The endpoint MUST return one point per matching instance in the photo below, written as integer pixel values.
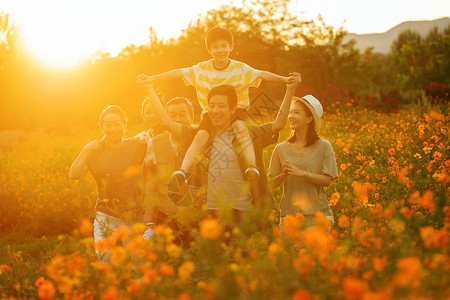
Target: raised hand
(294, 77)
(144, 79)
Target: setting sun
(63, 33)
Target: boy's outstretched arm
(283, 112)
(172, 74)
(272, 77)
(174, 128)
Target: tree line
(267, 36)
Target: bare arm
(173, 127)
(172, 74)
(283, 112)
(317, 179)
(276, 181)
(79, 166)
(272, 77)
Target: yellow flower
(139, 228)
(173, 250)
(185, 270)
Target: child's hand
(144, 79)
(294, 77)
(294, 80)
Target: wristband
(252, 169)
(150, 224)
(310, 175)
(182, 173)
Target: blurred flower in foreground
(210, 229)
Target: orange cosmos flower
(302, 294)
(427, 201)
(354, 288)
(436, 116)
(274, 249)
(46, 290)
(121, 233)
(117, 256)
(3, 268)
(379, 263)
(103, 245)
(408, 271)
(402, 174)
(101, 266)
(343, 221)
(110, 294)
(210, 229)
(437, 155)
(291, 226)
(406, 211)
(86, 227)
(166, 269)
(184, 296)
(149, 275)
(133, 287)
(335, 198)
(433, 238)
(303, 264)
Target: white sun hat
(314, 106)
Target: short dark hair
(115, 109)
(224, 90)
(311, 135)
(181, 100)
(218, 33)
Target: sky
(63, 32)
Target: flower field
(390, 239)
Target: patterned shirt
(204, 77)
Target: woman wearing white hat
(304, 164)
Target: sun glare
(55, 54)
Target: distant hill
(382, 41)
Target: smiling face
(149, 116)
(220, 50)
(300, 117)
(113, 127)
(220, 112)
(179, 113)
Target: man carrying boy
(220, 70)
(226, 173)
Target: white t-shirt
(226, 186)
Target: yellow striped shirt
(204, 77)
